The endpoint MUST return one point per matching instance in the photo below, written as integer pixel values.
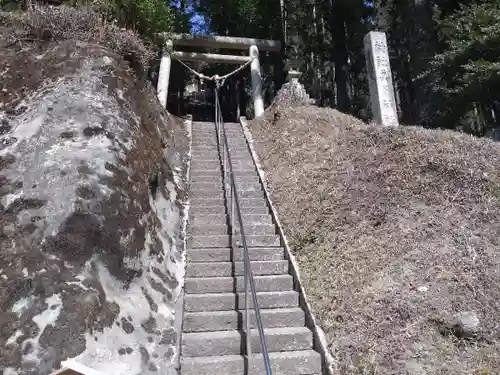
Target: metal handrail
(250, 290)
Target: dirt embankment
(396, 232)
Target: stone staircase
(213, 339)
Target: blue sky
(198, 22)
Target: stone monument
(378, 67)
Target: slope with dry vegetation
(396, 235)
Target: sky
(198, 22)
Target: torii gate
(207, 41)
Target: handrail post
(247, 315)
(233, 192)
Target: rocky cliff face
(92, 188)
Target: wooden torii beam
(210, 57)
(226, 42)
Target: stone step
(240, 184)
(217, 178)
(212, 229)
(224, 269)
(204, 172)
(198, 187)
(218, 174)
(219, 210)
(204, 124)
(204, 193)
(209, 160)
(201, 219)
(238, 146)
(303, 362)
(235, 156)
(214, 168)
(222, 210)
(231, 136)
(207, 132)
(237, 142)
(238, 172)
(207, 186)
(236, 301)
(205, 179)
(274, 283)
(195, 152)
(230, 320)
(195, 156)
(204, 155)
(233, 140)
(242, 156)
(246, 174)
(216, 165)
(204, 148)
(238, 165)
(251, 186)
(247, 178)
(225, 241)
(245, 210)
(253, 173)
(200, 344)
(208, 147)
(212, 184)
(218, 193)
(214, 202)
(226, 254)
(208, 229)
(212, 164)
(204, 142)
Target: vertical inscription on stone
(380, 79)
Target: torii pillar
(258, 102)
(164, 73)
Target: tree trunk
(320, 47)
(340, 55)
(422, 48)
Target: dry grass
(395, 231)
(84, 24)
